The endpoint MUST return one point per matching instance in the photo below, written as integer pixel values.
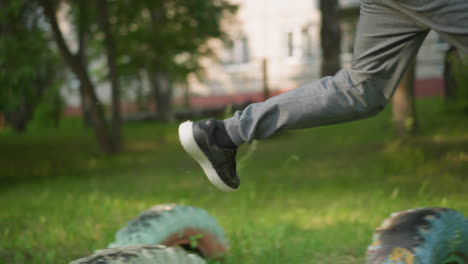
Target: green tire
(421, 236)
(175, 225)
(141, 254)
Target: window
(299, 42)
(238, 51)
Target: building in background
(287, 35)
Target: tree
(30, 68)
(456, 80)
(449, 78)
(167, 38)
(103, 12)
(133, 36)
(78, 67)
(403, 108)
(330, 37)
(82, 27)
(136, 36)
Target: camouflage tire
(421, 236)
(141, 254)
(175, 225)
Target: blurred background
(91, 93)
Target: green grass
(309, 196)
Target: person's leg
(388, 38)
(448, 18)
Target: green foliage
(49, 111)
(194, 240)
(169, 35)
(20, 51)
(29, 66)
(164, 38)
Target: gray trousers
(389, 35)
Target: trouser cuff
(232, 129)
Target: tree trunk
(2, 120)
(186, 86)
(19, 118)
(449, 78)
(84, 98)
(330, 37)
(162, 91)
(161, 81)
(116, 122)
(97, 114)
(403, 109)
(140, 100)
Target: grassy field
(309, 196)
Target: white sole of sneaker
(191, 147)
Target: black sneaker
(218, 162)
